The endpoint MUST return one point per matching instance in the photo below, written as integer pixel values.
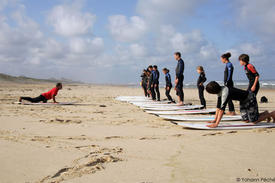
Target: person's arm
(219, 117)
(216, 116)
(230, 70)
(54, 99)
(253, 88)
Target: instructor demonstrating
(179, 78)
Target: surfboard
(154, 104)
(202, 111)
(203, 118)
(227, 126)
(60, 103)
(172, 108)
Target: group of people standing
(227, 93)
(150, 79)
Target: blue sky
(112, 41)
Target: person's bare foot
(20, 99)
(273, 116)
(231, 113)
(180, 104)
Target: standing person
(44, 97)
(251, 73)
(156, 81)
(144, 82)
(179, 78)
(200, 85)
(148, 73)
(168, 84)
(228, 81)
(151, 82)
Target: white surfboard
(130, 97)
(201, 118)
(202, 111)
(154, 104)
(50, 103)
(172, 108)
(227, 126)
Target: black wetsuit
(151, 85)
(180, 77)
(251, 74)
(200, 86)
(228, 81)
(168, 86)
(40, 98)
(156, 84)
(248, 102)
(144, 84)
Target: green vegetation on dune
(23, 79)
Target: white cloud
(137, 50)
(256, 16)
(126, 30)
(69, 20)
(157, 11)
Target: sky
(111, 41)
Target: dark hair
(58, 84)
(178, 53)
(213, 87)
(226, 55)
(244, 58)
(150, 66)
(165, 69)
(155, 66)
(200, 68)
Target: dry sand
(120, 142)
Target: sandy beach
(104, 140)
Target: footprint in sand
(212, 134)
(88, 164)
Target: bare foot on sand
(231, 113)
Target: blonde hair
(200, 68)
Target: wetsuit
(180, 77)
(228, 81)
(248, 103)
(151, 85)
(44, 97)
(144, 84)
(156, 84)
(251, 74)
(40, 98)
(200, 86)
(168, 86)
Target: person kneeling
(248, 104)
(44, 97)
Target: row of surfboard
(189, 116)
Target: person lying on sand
(44, 97)
(248, 104)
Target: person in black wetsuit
(156, 81)
(151, 83)
(144, 82)
(248, 104)
(168, 84)
(200, 85)
(179, 78)
(148, 74)
(228, 81)
(251, 73)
